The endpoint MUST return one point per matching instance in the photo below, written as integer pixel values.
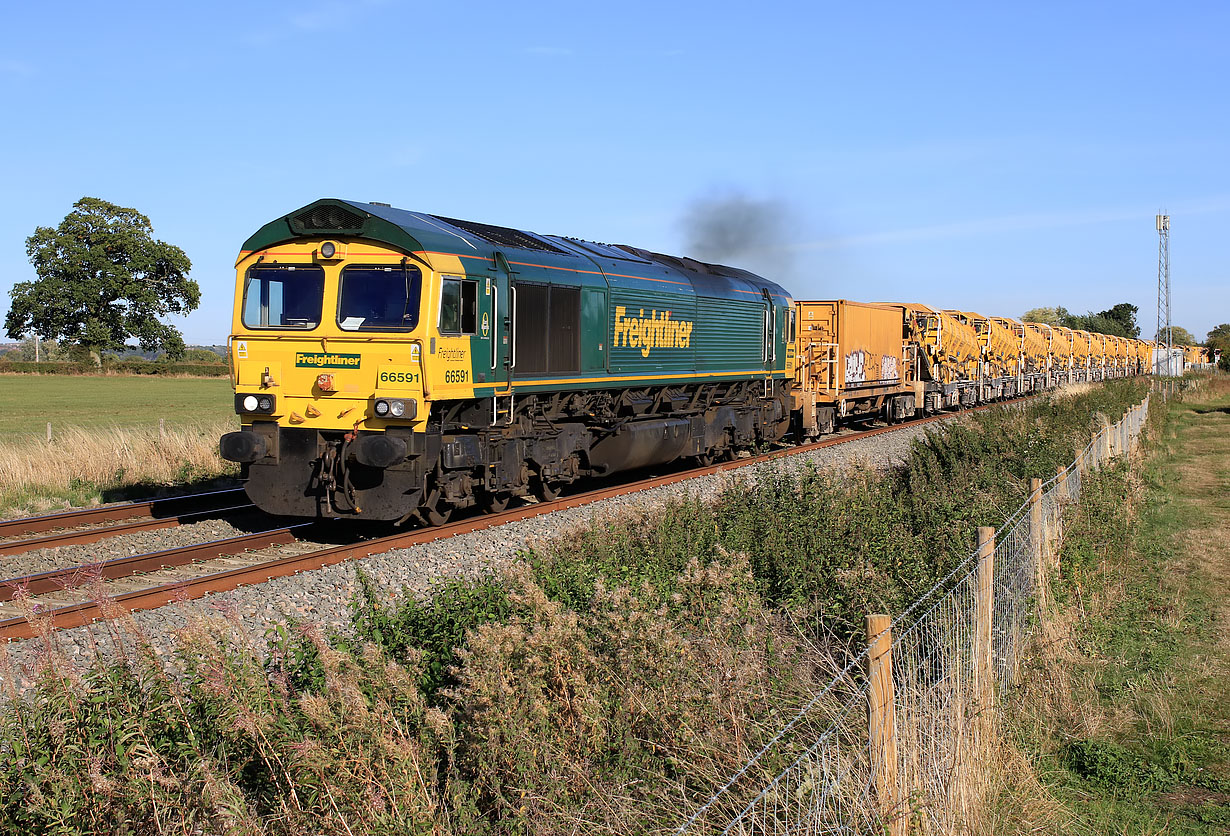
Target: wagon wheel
(435, 511)
(705, 460)
(496, 502)
(547, 491)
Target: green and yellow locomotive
(390, 364)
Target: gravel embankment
(322, 596)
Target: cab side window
(458, 306)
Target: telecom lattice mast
(1165, 333)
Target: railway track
(80, 595)
(90, 525)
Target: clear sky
(989, 156)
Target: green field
(28, 402)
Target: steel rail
(78, 615)
(165, 507)
(56, 580)
(93, 535)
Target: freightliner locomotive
(391, 365)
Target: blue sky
(993, 157)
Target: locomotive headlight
(254, 404)
(328, 249)
(395, 408)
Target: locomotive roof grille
(502, 236)
(605, 250)
(327, 218)
(688, 263)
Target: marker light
(249, 403)
(265, 403)
(398, 408)
(382, 408)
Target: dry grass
(83, 465)
(1072, 390)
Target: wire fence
(895, 740)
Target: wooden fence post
(1037, 536)
(983, 611)
(882, 722)
(48, 431)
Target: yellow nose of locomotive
(328, 378)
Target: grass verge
(1126, 713)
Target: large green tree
(1219, 337)
(103, 279)
(1124, 314)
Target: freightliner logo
(649, 332)
(327, 361)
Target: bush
(109, 366)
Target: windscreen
(283, 296)
(379, 298)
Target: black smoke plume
(740, 231)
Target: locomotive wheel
(705, 460)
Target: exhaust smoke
(741, 231)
